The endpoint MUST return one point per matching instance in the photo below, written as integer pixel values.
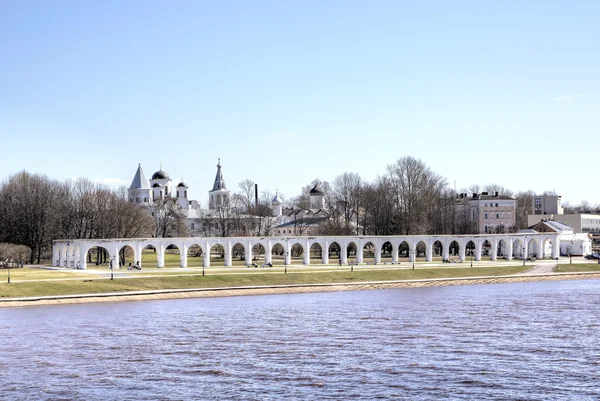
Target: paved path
(542, 267)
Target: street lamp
(8, 270)
(413, 257)
(524, 256)
(571, 253)
(285, 256)
(471, 257)
(111, 267)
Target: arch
(316, 253)
(238, 254)
(387, 250)
(518, 248)
(351, 250)
(149, 256)
(454, 248)
(368, 252)
(172, 256)
(216, 255)
(195, 255)
(258, 253)
(98, 257)
(335, 253)
(502, 249)
(437, 249)
(421, 249)
(297, 253)
(533, 248)
(486, 249)
(470, 248)
(127, 256)
(404, 250)
(547, 248)
(277, 254)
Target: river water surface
(527, 341)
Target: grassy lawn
(27, 273)
(578, 267)
(251, 278)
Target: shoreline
(288, 289)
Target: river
(524, 341)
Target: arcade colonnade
(73, 253)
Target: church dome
(157, 185)
(161, 175)
(181, 184)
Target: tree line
(408, 199)
(35, 209)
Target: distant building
(571, 243)
(484, 213)
(546, 204)
(548, 208)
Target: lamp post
(413, 258)
(571, 253)
(111, 267)
(8, 270)
(471, 257)
(285, 256)
(524, 256)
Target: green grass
(266, 278)
(578, 267)
(27, 273)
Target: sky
(283, 92)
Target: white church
(283, 221)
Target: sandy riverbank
(286, 289)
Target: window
(486, 229)
(485, 216)
(496, 205)
(497, 215)
(137, 200)
(145, 199)
(192, 226)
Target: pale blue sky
(284, 92)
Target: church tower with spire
(139, 191)
(219, 195)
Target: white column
(429, 251)
(160, 257)
(461, 251)
(478, 251)
(248, 253)
(509, 250)
(377, 253)
(306, 253)
(83, 259)
(394, 253)
(325, 252)
(268, 253)
(494, 250)
(359, 252)
(183, 254)
(227, 247)
(206, 261)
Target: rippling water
(529, 341)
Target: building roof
(316, 190)
(219, 181)
(139, 180)
(304, 222)
(276, 200)
(551, 226)
(465, 198)
(182, 184)
(161, 175)
(156, 185)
